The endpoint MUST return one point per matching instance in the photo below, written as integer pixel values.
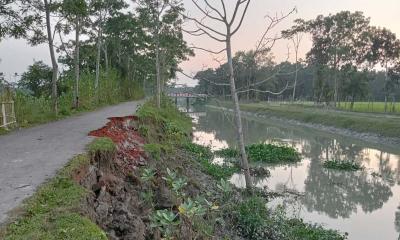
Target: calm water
(366, 204)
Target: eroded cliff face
(120, 202)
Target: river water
(365, 204)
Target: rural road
(29, 157)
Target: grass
(261, 152)
(359, 122)
(342, 165)
(371, 107)
(52, 213)
(101, 144)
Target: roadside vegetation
(342, 165)
(55, 212)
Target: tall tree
(75, 12)
(385, 51)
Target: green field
(371, 107)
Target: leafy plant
(225, 187)
(166, 221)
(148, 175)
(228, 153)
(175, 183)
(192, 208)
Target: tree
(37, 79)
(163, 20)
(231, 25)
(355, 83)
(75, 12)
(385, 51)
(338, 40)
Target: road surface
(29, 157)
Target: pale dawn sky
(16, 55)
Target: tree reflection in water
(334, 193)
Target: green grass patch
(102, 144)
(254, 221)
(53, 211)
(204, 156)
(342, 165)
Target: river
(365, 204)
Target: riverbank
(374, 128)
(143, 179)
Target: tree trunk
(158, 71)
(53, 58)
(295, 80)
(238, 119)
(106, 58)
(98, 57)
(77, 70)
(385, 87)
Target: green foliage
(255, 221)
(51, 214)
(204, 156)
(175, 125)
(148, 175)
(272, 154)
(102, 144)
(175, 183)
(31, 110)
(192, 209)
(37, 79)
(166, 221)
(154, 149)
(228, 153)
(342, 165)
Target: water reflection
(349, 201)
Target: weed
(342, 165)
(166, 221)
(228, 153)
(272, 154)
(148, 175)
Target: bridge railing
(7, 115)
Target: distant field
(374, 107)
(367, 107)
(382, 124)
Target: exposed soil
(116, 202)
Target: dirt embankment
(117, 201)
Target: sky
(17, 55)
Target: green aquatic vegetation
(270, 153)
(342, 165)
(228, 153)
(200, 151)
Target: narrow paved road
(29, 157)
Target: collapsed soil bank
(116, 202)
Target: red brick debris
(123, 132)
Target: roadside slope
(31, 156)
